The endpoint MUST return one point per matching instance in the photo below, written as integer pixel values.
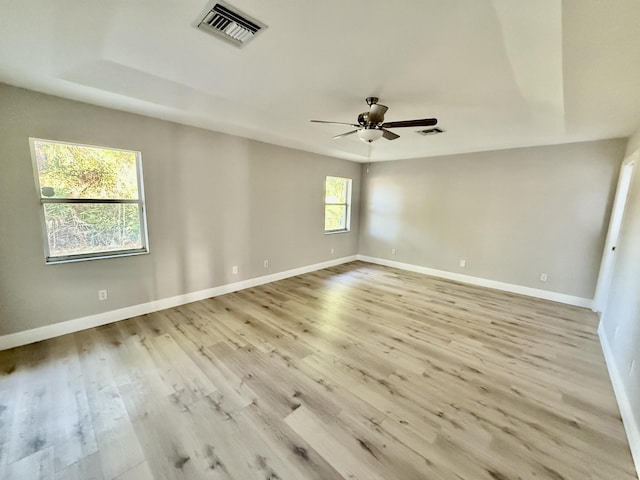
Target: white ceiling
(496, 73)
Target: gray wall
(623, 306)
(213, 201)
(512, 214)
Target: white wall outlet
(393, 251)
(102, 295)
(463, 262)
(234, 269)
(543, 277)
(632, 368)
(332, 251)
(266, 264)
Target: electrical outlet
(234, 269)
(393, 251)
(332, 251)
(543, 277)
(632, 367)
(463, 262)
(266, 264)
(102, 295)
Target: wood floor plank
(290, 446)
(116, 439)
(341, 450)
(353, 372)
(37, 466)
(139, 472)
(87, 468)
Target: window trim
(346, 204)
(80, 257)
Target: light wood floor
(354, 372)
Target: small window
(92, 201)
(337, 204)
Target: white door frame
(615, 223)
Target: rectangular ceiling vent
(431, 131)
(228, 23)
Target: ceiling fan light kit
(371, 125)
(369, 134)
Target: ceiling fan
(371, 125)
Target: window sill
(332, 232)
(128, 253)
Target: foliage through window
(337, 204)
(92, 200)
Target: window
(337, 204)
(92, 201)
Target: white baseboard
(483, 282)
(629, 420)
(70, 326)
(77, 324)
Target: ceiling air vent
(431, 131)
(230, 24)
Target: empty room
(327, 240)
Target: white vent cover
(230, 24)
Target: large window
(337, 204)
(92, 200)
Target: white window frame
(347, 204)
(92, 255)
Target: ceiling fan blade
(376, 113)
(425, 122)
(345, 134)
(389, 135)
(335, 123)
